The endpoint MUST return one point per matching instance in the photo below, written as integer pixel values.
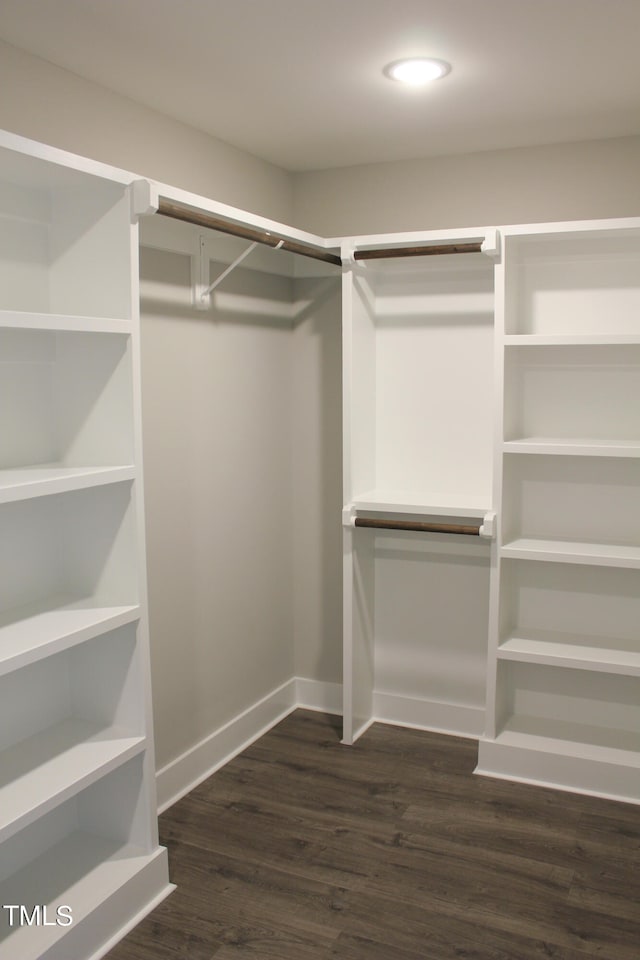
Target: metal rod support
(201, 219)
(470, 530)
(225, 273)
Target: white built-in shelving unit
(77, 794)
(417, 409)
(564, 690)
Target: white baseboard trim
(133, 922)
(452, 718)
(559, 770)
(181, 775)
(319, 695)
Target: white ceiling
(299, 82)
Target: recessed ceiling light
(416, 71)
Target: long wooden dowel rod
(425, 251)
(418, 526)
(201, 219)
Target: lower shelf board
(44, 770)
(561, 737)
(600, 654)
(567, 551)
(31, 633)
(81, 872)
(539, 751)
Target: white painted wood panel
(76, 760)
(579, 283)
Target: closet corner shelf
(577, 651)
(566, 551)
(84, 871)
(575, 447)
(44, 770)
(438, 505)
(47, 479)
(24, 320)
(41, 630)
(571, 340)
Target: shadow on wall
(317, 494)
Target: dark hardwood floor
(304, 849)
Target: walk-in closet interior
(486, 497)
(352, 435)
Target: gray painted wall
(574, 181)
(217, 399)
(49, 104)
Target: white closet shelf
(46, 769)
(571, 340)
(436, 505)
(566, 551)
(563, 737)
(83, 871)
(25, 320)
(576, 447)
(557, 649)
(32, 633)
(43, 480)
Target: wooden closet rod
(177, 212)
(419, 527)
(424, 251)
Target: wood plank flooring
(304, 849)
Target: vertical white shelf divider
(78, 826)
(501, 294)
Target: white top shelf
(35, 632)
(565, 551)
(571, 340)
(41, 772)
(25, 320)
(436, 505)
(47, 479)
(573, 446)
(599, 654)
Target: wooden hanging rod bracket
(144, 197)
(176, 211)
